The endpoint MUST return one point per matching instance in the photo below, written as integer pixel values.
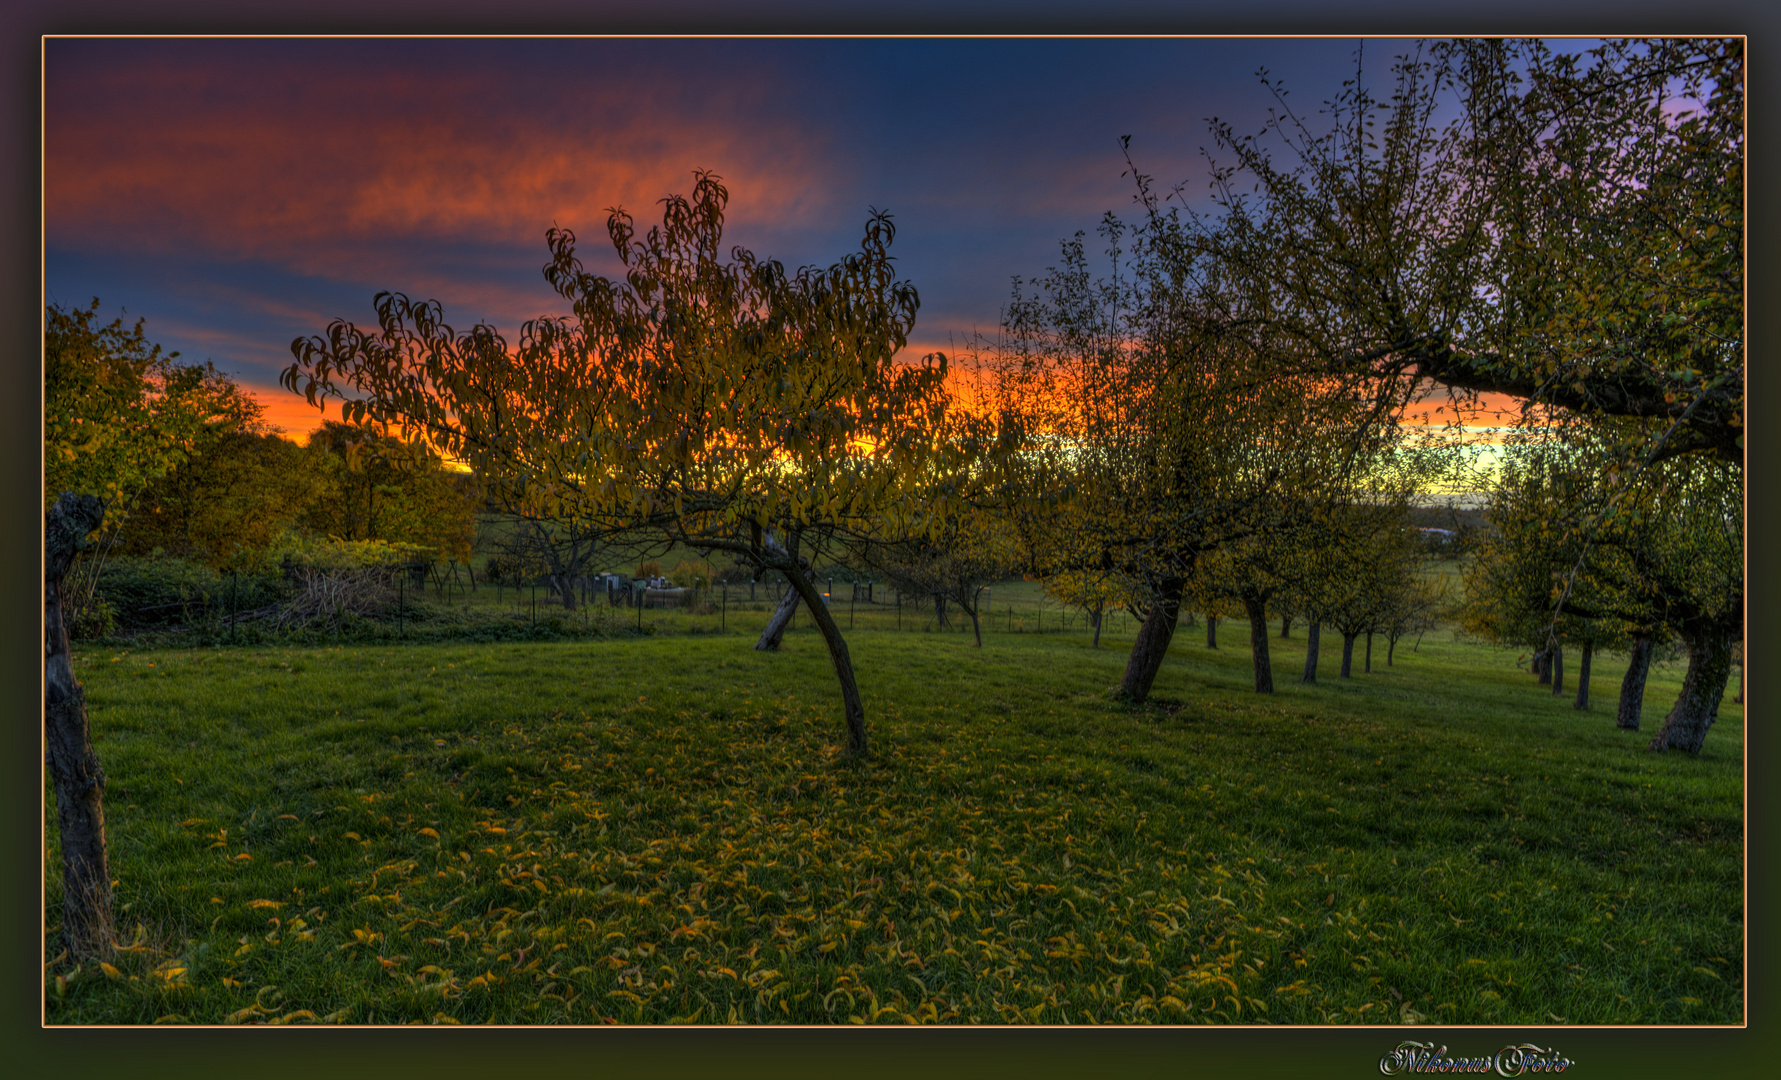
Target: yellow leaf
(110, 972)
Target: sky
(239, 193)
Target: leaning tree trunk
(1632, 687)
(1152, 643)
(1583, 676)
(1709, 669)
(1312, 631)
(1348, 654)
(74, 768)
(774, 633)
(853, 710)
(1258, 644)
(971, 610)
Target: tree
(721, 405)
(239, 495)
(1366, 572)
(1157, 428)
(1666, 562)
(559, 552)
(1094, 593)
(377, 486)
(970, 552)
(1573, 237)
(119, 414)
(75, 772)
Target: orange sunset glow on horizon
(238, 193)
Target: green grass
(660, 829)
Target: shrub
(150, 592)
(144, 592)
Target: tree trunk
(1211, 631)
(854, 712)
(1152, 643)
(1558, 670)
(1258, 644)
(77, 778)
(1632, 687)
(940, 621)
(1709, 669)
(971, 610)
(1583, 676)
(1348, 654)
(1369, 661)
(1312, 632)
(1391, 647)
(774, 634)
(1095, 614)
(1285, 626)
(1543, 667)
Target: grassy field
(658, 828)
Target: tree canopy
(1566, 229)
(724, 404)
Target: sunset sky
(238, 193)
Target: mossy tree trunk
(1256, 608)
(1632, 686)
(1152, 643)
(1312, 631)
(1703, 686)
(1583, 676)
(75, 773)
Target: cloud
(309, 156)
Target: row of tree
(1228, 393)
(1218, 413)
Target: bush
(151, 591)
(157, 591)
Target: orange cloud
(232, 158)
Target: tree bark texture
(1286, 626)
(1348, 655)
(1543, 667)
(854, 711)
(1212, 631)
(75, 773)
(1558, 670)
(1152, 643)
(1312, 631)
(1709, 669)
(1369, 660)
(1632, 687)
(1258, 644)
(774, 633)
(1583, 676)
